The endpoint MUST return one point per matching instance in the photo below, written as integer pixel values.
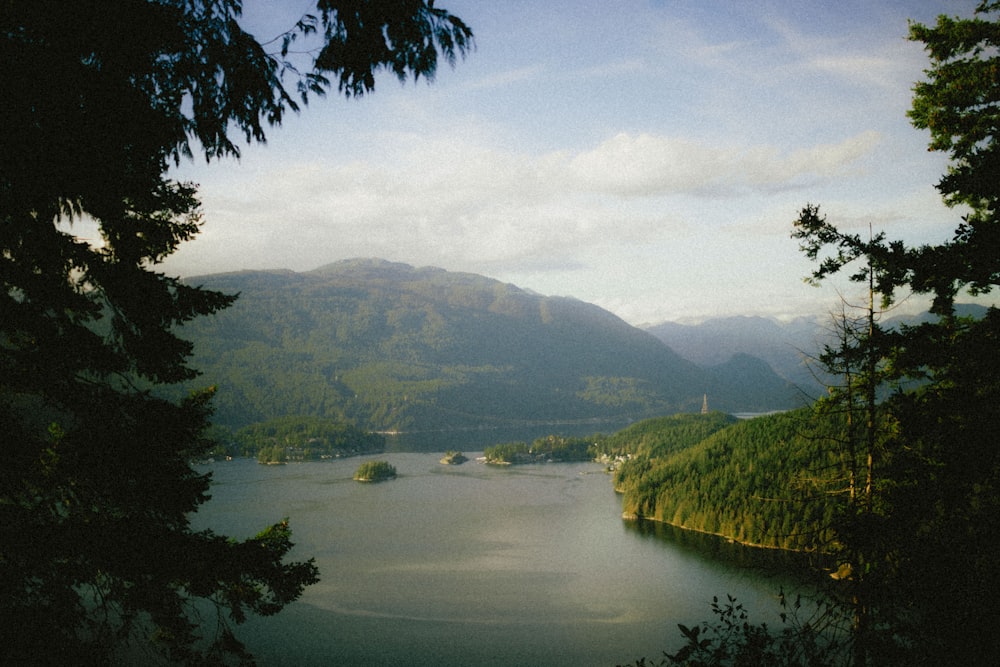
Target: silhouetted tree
(922, 532)
(101, 97)
(931, 574)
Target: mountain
(785, 347)
(789, 348)
(742, 480)
(393, 347)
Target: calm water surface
(472, 565)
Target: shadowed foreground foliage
(96, 487)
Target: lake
(476, 565)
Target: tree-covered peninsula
(546, 449)
(761, 481)
(302, 438)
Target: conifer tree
(930, 571)
(101, 97)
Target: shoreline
(632, 516)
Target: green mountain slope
(762, 481)
(392, 347)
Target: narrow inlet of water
(475, 565)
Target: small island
(452, 458)
(375, 471)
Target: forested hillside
(302, 439)
(392, 347)
(760, 481)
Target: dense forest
(297, 438)
(389, 347)
(653, 438)
(759, 481)
(552, 448)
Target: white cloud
(647, 165)
(459, 204)
(633, 160)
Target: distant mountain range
(790, 348)
(393, 347)
(785, 347)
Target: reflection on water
(475, 565)
(762, 562)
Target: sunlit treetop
(959, 103)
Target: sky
(647, 156)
